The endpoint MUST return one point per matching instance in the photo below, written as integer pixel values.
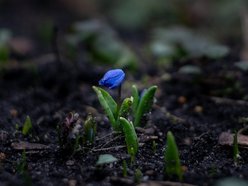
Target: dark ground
(186, 105)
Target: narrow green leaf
(171, 157)
(89, 130)
(135, 95)
(235, 148)
(130, 137)
(145, 104)
(27, 126)
(110, 101)
(106, 158)
(107, 108)
(124, 110)
(125, 107)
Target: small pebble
(72, 182)
(198, 109)
(13, 113)
(2, 156)
(149, 172)
(70, 162)
(182, 100)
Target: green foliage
(27, 126)
(154, 146)
(190, 69)
(21, 168)
(236, 155)
(143, 103)
(130, 137)
(138, 176)
(95, 35)
(22, 164)
(110, 107)
(178, 42)
(171, 157)
(117, 114)
(5, 36)
(231, 181)
(124, 168)
(89, 130)
(105, 159)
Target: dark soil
(197, 109)
(54, 89)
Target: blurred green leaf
(177, 42)
(89, 129)
(27, 126)
(5, 36)
(105, 159)
(231, 181)
(103, 44)
(242, 65)
(190, 69)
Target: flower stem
(119, 96)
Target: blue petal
(112, 78)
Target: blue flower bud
(112, 78)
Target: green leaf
(89, 129)
(106, 158)
(27, 126)
(110, 101)
(190, 69)
(171, 157)
(242, 65)
(145, 104)
(108, 105)
(231, 181)
(236, 155)
(135, 95)
(130, 137)
(125, 107)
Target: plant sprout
(130, 137)
(118, 114)
(236, 155)
(27, 126)
(142, 104)
(171, 157)
(70, 132)
(89, 129)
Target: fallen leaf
(22, 145)
(163, 183)
(226, 138)
(106, 158)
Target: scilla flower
(112, 78)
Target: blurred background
(166, 29)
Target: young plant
(114, 110)
(236, 155)
(118, 112)
(124, 168)
(130, 137)
(27, 126)
(70, 131)
(22, 164)
(138, 176)
(142, 104)
(171, 157)
(89, 129)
